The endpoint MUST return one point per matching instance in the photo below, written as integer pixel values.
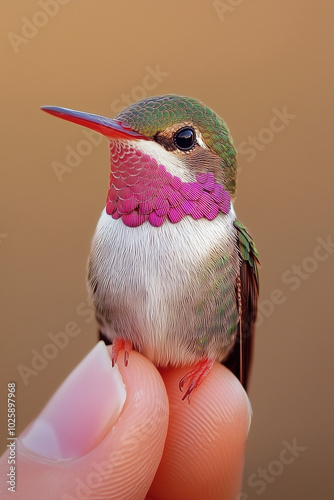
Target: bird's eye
(185, 138)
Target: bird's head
(171, 157)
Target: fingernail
(81, 411)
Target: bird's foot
(119, 345)
(195, 377)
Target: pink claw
(195, 377)
(119, 345)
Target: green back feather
(247, 248)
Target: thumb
(100, 436)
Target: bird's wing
(247, 291)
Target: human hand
(124, 433)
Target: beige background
(248, 62)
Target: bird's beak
(106, 126)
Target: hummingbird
(172, 273)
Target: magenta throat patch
(141, 190)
